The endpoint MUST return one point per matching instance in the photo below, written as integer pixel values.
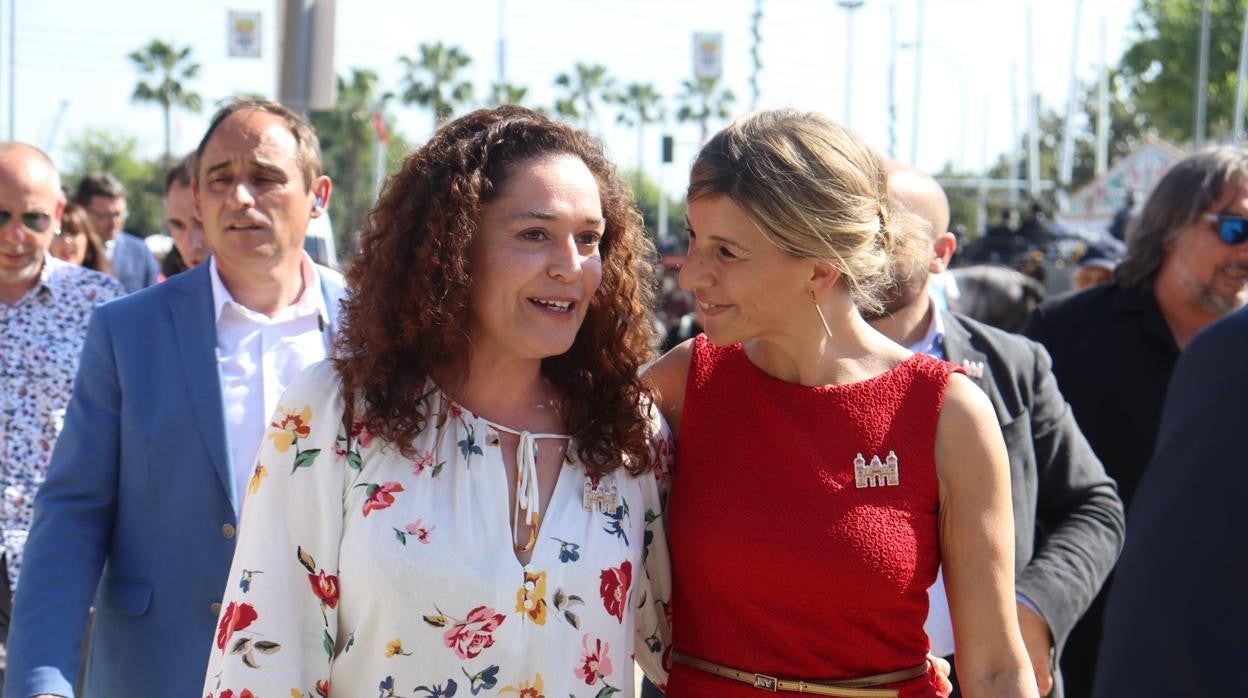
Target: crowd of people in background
(497, 334)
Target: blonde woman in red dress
(823, 473)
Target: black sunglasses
(1232, 229)
(34, 222)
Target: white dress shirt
(258, 357)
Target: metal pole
(918, 83)
(662, 193)
(1033, 117)
(850, 6)
(12, 70)
(849, 59)
(756, 64)
(1237, 126)
(892, 82)
(1102, 109)
(981, 201)
(1072, 94)
(502, 55)
(1011, 153)
(1202, 76)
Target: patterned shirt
(40, 341)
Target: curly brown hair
(409, 309)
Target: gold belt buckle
(765, 682)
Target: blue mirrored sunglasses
(34, 222)
(1232, 229)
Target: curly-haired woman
(466, 499)
(824, 472)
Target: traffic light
(667, 149)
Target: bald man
(1068, 520)
(44, 307)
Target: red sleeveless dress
(782, 565)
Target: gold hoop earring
(819, 310)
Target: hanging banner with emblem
(244, 34)
(708, 52)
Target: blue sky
(74, 52)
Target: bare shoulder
(967, 432)
(667, 377)
(964, 399)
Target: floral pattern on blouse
(41, 339)
(360, 571)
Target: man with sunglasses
(44, 307)
(1115, 346)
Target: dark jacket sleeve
(1179, 603)
(1079, 517)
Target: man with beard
(1114, 346)
(1068, 521)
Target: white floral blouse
(360, 572)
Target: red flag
(379, 127)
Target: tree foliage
(703, 100)
(170, 67)
(116, 154)
(584, 89)
(432, 80)
(347, 136)
(646, 196)
(1159, 69)
(507, 93)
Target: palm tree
(432, 81)
(507, 93)
(702, 100)
(346, 136)
(171, 67)
(586, 85)
(640, 104)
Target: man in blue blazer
(142, 500)
(104, 199)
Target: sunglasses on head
(34, 222)
(1232, 229)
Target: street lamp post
(850, 6)
(962, 91)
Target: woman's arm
(666, 377)
(977, 544)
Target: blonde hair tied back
(815, 190)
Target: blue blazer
(137, 513)
(133, 264)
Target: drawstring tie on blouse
(528, 496)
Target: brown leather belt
(848, 688)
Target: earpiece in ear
(319, 202)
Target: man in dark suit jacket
(1114, 346)
(1068, 521)
(1178, 605)
(104, 198)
